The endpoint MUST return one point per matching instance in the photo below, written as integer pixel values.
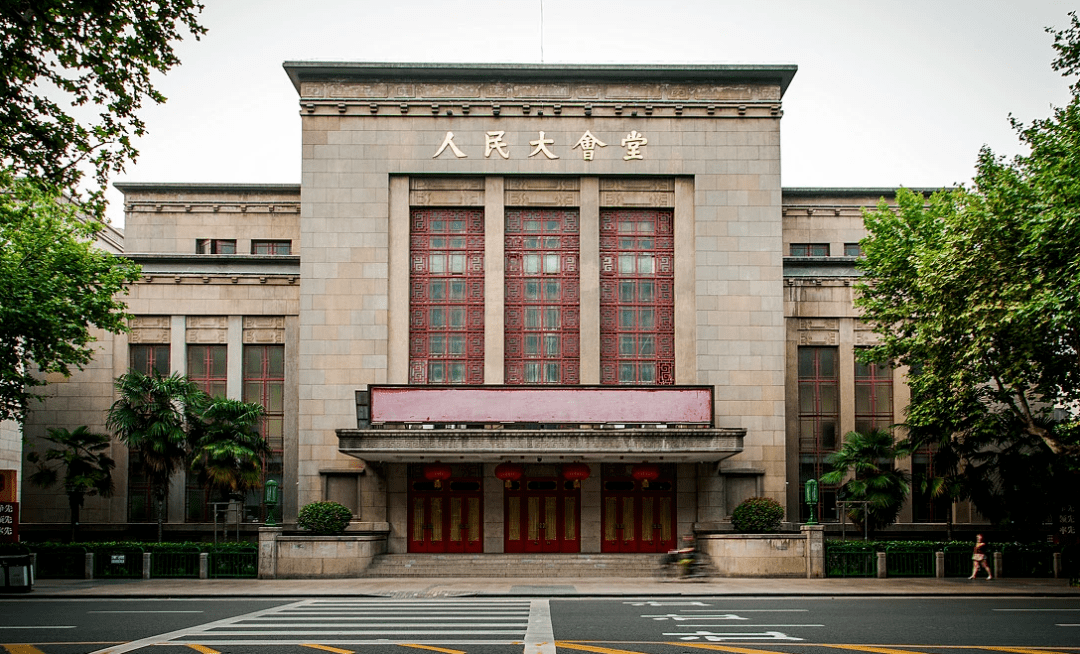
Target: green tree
(75, 74)
(870, 461)
(977, 288)
(152, 416)
(55, 285)
(227, 450)
(86, 463)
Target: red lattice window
(542, 342)
(819, 415)
(149, 358)
(264, 383)
(637, 296)
(207, 367)
(873, 397)
(446, 303)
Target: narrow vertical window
(142, 506)
(637, 297)
(207, 369)
(446, 300)
(542, 292)
(818, 420)
(264, 383)
(873, 397)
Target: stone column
(268, 552)
(815, 550)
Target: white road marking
(540, 637)
(42, 626)
(144, 611)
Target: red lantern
(576, 472)
(509, 472)
(646, 472)
(436, 472)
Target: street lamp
(270, 496)
(811, 499)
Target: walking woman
(978, 557)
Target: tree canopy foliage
(55, 285)
(869, 458)
(977, 290)
(74, 75)
(86, 463)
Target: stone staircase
(514, 565)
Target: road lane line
(432, 648)
(540, 636)
(593, 648)
(203, 649)
(161, 638)
(327, 648)
(1022, 650)
(22, 649)
(726, 648)
(144, 611)
(876, 650)
(41, 626)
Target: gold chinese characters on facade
(494, 142)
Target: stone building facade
(518, 227)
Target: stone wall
(324, 557)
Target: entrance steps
(514, 565)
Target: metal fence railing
(839, 563)
(68, 563)
(175, 563)
(235, 563)
(118, 563)
(903, 562)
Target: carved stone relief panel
(344, 91)
(637, 192)
(149, 329)
(264, 329)
(207, 330)
(819, 338)
(542, 192)
(446, 191)
(560, 91)
(634, 92)
(819, 324)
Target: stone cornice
(685, 445)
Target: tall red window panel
(446, 296)
(637, 296)
(542, 333)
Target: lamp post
(811, 499)
(270, 496)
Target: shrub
(324, 518)
(758, 515)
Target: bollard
(997, 564)
(204, 565)
(88, 572)
(1057, 565)
(939, 565)
(146, 565)
(882, 570)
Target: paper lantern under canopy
(436, 472)
(509, 472)
(645, 472)
(576, 472)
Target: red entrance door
(444, 522)
(638, 520)
(542, 516)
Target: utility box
(18, 573)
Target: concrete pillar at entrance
(372, 488)
(590, 511)
(268, 552)
(494, 536)
(815, 550)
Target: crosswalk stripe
(432, 648)
(327, 648)
(594, 648)
(725, 648)
(22, 649)
(202, 649)
(876, 650)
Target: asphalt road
(886, 625)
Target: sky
(888, 92)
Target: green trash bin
(18, 573)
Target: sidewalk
(540, 587)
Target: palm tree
(152, 416)
(87, 467)
(227, 451)
(870, 457)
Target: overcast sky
(888, 93)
